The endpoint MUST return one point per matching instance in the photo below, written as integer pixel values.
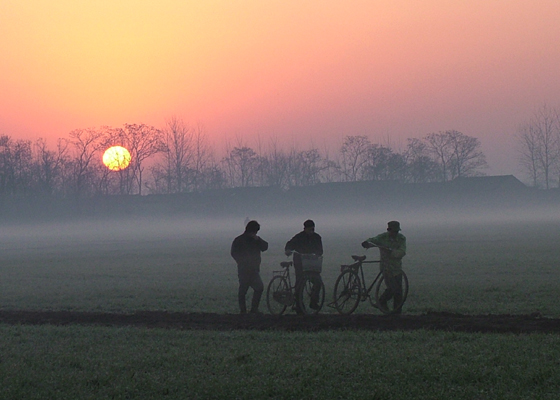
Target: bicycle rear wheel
(278, 295)
(347, 292)
(385, 298)
(311, 294)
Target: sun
(116, 158)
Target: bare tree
(85, 145)
(142, 141)
(528, 150)
(177, 156)
(384, 164)
(354, 157)
(420, 167)
(439, 147)
(545, 122)
(273, 166)
(213, 177)
(240, 166)
(305, 167)
(49, 166)
(456, 154)
(331, 170)
(15, 166)
(467, 158)
(538, 142)
(187, 162)
(203, 160)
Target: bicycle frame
(285, 273)
(358, 268)
(306, 294)
(351, 288)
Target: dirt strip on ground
(534, 323)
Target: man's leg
(315, 291)
(397, 300)
(389, 292)
(243, 287)
(299, 279)
(258, 287)
(384, 298)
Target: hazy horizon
(114, 228)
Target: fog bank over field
(336, 207)
(207, 228)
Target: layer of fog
(220, 230)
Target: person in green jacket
(392, 247)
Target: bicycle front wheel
(391, 293)
(278, 295)
(311, 294)
(347, 292)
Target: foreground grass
(39, 362)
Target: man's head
(252, 227)
(393, 227)
(309, 226)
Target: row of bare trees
(74, 167)
(538, 143)
(179, 159)
(438, 156)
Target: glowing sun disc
(116, 158)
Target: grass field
(108, 363)
(115, 266)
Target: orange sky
(299, 71)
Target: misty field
(124, 266)
(466, 267)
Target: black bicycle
(350, 288)
(308, 296)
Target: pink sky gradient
(301, 72)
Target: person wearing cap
(392, 248)
(246, 250)
(304, 242)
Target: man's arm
(296, 243)
(236, 250)
(372, 242)
(291, 244)
(400, 250)
(319, 251)
(263, 244)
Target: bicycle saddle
(358, 258)
(286, 264)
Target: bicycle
(309, 296)
(350, 288)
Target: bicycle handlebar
(301, 254)
(376, 245)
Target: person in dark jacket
(246, 251)
(305, 242)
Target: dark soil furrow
(208, 321)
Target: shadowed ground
(534, 323)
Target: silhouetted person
(392, 248)
(246, 251)
(305, 242)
